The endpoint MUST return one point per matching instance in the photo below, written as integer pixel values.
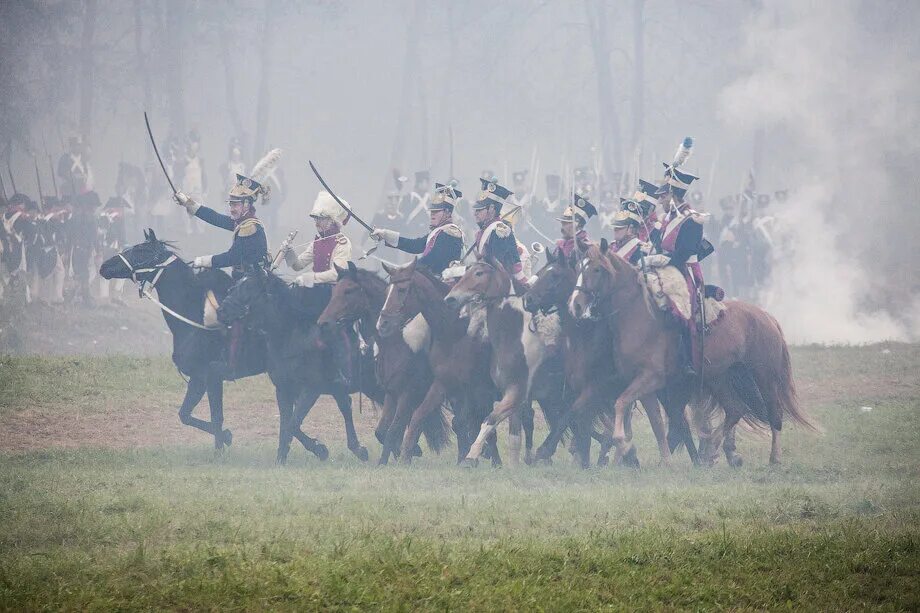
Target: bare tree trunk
(176, 15)
(611, 139)
(264, 100)
(410, 67)
(142, 64)
(229, 91)
(86, 69)
(638, 93)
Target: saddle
(670, 292)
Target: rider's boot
(227, 370)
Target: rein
(143, 290)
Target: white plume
(684, 150)
(264, 166)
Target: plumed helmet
(325, 207)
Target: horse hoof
(603, 461)
(416, 452)
(361, 453)
(528, 460)
(322, 452)
(735, 461)
(470, 463)
(280, 460)
(630, 459)
(228, 438)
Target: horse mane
(435, 280)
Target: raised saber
(344, 206)
(157, 151)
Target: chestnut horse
(586, 346)
(645, 351)
(459, 362)
(402, 370)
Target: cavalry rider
(444, 242)
(647, 200)
(680, 244)
(627, 225)
(572, 225)
(495, 237)
(249, 246)
(330, 248)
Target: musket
(38, 179)
(57, 194)
(344, 206)
(450, 138)
(9, 169)
(2, 188)
(284, 245)
(157, 152)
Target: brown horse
(458, 361)
(402, 370)
(586, 348)
(521, 344)
(646, 351)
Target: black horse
(299, 359)
(154, 264)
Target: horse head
(554, 284)
(352, 296)
(603, 277)
(402, 302)
(140, 262)
(485, 281)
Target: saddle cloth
(669, 290)
(210, 312)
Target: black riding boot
(227, 369)
(344, 346)
(686, 353)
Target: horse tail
(784, 392)
(436, 429)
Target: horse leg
(642, 385)
(394, 434)
(343, 400)
(606, 439)
(194, 391)
(505, 407)
(776, 450)
(655, 419)
(460, 426)
(728, 447)
(302, 406)
(514, 438)
(527, 417)
(735, 408)
(285, 417)
(679, 432)
(432, 402)
(491, 447)
(386, 417)
(216, 404)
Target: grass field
(106, 502)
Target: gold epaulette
(248, 227)
(453, 229)
(341, 239)
(502, 230)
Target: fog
(820, 98)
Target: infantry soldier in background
(417, 206)
(74, 171)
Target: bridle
(396, 314)
(145, 285)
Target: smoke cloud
(834, 86)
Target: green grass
(836, 527)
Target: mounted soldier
(248, 248)
(681, 245)
(444, 242)
(330, 248)
(572, 226)
(645, 197)
(495, 237)
(627, 225)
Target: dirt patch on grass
(32, 430)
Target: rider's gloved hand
(202, 261)
(183, 200)
(656, 261)
(389, 237)
(305, 280)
